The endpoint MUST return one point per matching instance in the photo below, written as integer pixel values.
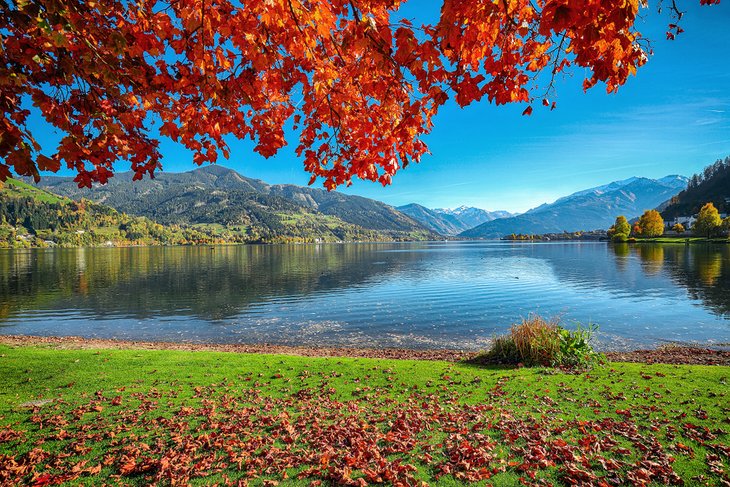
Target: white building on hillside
(688, 221)
(685, 221)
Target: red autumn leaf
(42, 480)
(362, 86)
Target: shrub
(502, 352)
(537, 340)
(576, 349)
(540, 342)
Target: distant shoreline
(662, 240)
(666, 354)
(215, 244)
(659, 240)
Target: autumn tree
(678, 228)
(620, 230)
(708, 221)
(359, 84)
(726, 225)
(651, 224)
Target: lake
(415, 295)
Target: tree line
(719, 169)
(710, 185)
(651, 225)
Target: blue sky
(672, 118)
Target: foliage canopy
(651, 224)
(708, 221)
(360, 84)
(620, 230)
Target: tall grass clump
(538, 341)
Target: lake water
(416, 295)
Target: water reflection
(432, 294)
(208, 282)
(705, 271)
(652, 257)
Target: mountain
(437, 222)
(215, 195)
(712, 185)
(590, 209)
(32, 217)
(472, 217)
(451, 222)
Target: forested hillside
(32, 217)
(218, 195)
(712, 185)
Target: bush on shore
(541, 342)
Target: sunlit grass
(135, 390)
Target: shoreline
(659, 240)
(671, 354)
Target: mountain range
(215, 195)
(590, 209)
(221, 196)
(451, 221)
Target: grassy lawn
(682, 240)
(140, 417)
(107, 231)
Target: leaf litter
(237, 433)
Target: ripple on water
(424, 295)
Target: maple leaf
(362, 87)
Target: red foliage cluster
(360, 85)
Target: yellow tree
(678, 228)
(620, 229)
(708, 221)
(651, 224)
(726, 225)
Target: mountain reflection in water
(421, 295)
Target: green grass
(207, 417)
(26, 190)
(107, 231)
(683, 240)
(209, 226)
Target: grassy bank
(139, 416)
(684, 240)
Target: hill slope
(713, 185)
(215, 195)
(32, 217)
(591, 209)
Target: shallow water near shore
(411, 295)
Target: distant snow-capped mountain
(589, 209)
(447, 221)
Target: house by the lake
(687, 221)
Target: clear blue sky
(672, 118)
